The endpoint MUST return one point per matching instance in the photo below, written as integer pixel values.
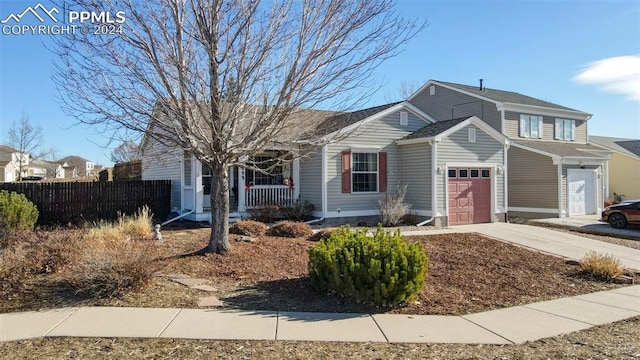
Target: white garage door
(581, 192)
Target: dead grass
(138, 226)
(467, 273)
(604, 266)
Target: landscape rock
(190, 282)
(210, 301)
(206, 288)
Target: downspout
(434, 186)
(323, 175)
(177, 217)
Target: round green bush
(17, 213)
(383, 269)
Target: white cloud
(619, 74)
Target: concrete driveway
(590, 224)
(553, 242)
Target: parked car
(620, 215)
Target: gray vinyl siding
(512, 127)
(311, 179)
(533, 180)
(447, 104)
(415, 169)
(456, 148)
(160, 162)
(599, 186)
(380, 133)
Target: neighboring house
(387, 146)
(46, 169)
(83, 167)
(552, 170)
(10, 161)
(624, 166)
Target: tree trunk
(219, 240)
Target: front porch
(247, 189)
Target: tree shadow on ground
(294, 294)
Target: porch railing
(263, 195)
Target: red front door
(469, 196)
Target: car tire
(617, 221)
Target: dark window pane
(463, 173)
(452, 173)
(364, 182)
(485, 173)
(475, 173)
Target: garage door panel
(469, 200)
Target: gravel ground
(613, 341)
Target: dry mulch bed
(467, 273)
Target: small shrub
(383, 269)
(265, 213)
(393, 208)
(111, 269)
(300, 211)
(248, 228)
(17, 213)
(601, 266)
(139, 226)
(321, 235)
(290, 229)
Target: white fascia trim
(415, 141)
(581, 161)
(433, 82)
(403, 105)
(541, 110)
(534, 210)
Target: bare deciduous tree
(26, 139)
(127, 151)
(405, 90)
(223, 79)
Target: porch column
(241, 190)
(295, 167)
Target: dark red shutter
(382, 170)
(346, 171)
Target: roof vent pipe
(481, 88)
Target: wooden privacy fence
(91, 201)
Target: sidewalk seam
(561, 316)
(613, 306)
(379, 328)
(275, 337)
(489, 330)
(169, 323)
(61, 321)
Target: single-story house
(454, 171)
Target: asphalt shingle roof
(342, 120)
(434, 129)
(629, 147)
(506, 96)
(564, 149)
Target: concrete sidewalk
(505, 326)
(547, 240)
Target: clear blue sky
(536, 48)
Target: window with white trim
(472, 134)
(565, 129)
(531, 126)
(364, 172)
(404, 118)
(273, 170)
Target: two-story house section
(552, 170)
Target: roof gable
(629, 147)
(499, 97)
(440, 129)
